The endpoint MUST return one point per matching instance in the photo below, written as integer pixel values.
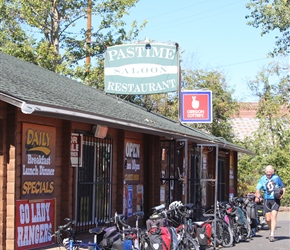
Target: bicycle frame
(78, 243)
(70, 243)
(128, 229)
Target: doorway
(93, 183)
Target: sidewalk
(260, 241)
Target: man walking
(268, 183)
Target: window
(93, 200)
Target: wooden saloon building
(69, 150)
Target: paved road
(261, 241)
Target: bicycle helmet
(175, 204)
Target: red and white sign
(196, 106)
(76, 150)
(33, 220)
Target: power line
(238, 63)
(191, 15)
(176, 10)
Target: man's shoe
(271, 238)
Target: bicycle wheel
(248, 228)
(144, 242)
(224, 234)
(236, 235)
(188, 244)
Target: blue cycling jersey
(268, 185)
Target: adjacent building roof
(39, 91)
(244, 127)
(246, 123)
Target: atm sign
(196, 107)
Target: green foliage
(13, 39)
(53, 34)
(224, 105)
(272, 15)
(271, 142)
(252, 168)
(248, 174)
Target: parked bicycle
(252, 212)
(241, 221)
(70, 242)
(179, 219)
(160, 234)
(132, 237)
(170, 229)
(216, 229)
(261, 214)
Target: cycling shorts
(270, 205)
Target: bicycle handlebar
(160, 207)
(120, 218)
(66, 227)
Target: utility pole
(89, 33)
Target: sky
(213, 35)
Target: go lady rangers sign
(133, 69)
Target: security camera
(148, 46)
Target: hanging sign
(141, 69)
(38, 161)
(76, 150)
(196, 106)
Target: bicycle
(216, 231)
(133, 234)
(240, 218)
(183, 225)
(70, 242)
(176, 222)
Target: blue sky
(213, 35)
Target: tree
(13, 39)
(271, 142)
(270, 15)
(224, 105)
(58, 40)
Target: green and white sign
(133, 69)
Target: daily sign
(133, 69)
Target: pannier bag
(239, 215)
(174, 238)
(108, 237)
(122, 245)
(204, 234)
(252, 210)
(260, 210)
(127, 244)
(160, 238)
(156, 221)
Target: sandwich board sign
(195, 106)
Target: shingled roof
(40, 91)
(246, 122)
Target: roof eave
(29, 108)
